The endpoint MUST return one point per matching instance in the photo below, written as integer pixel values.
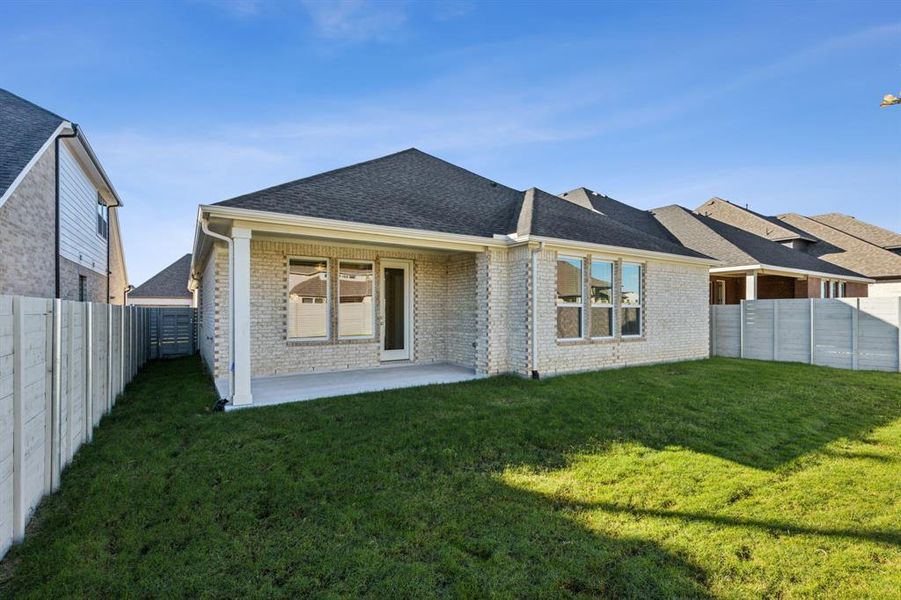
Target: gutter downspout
(56, 193)
(535, 251)
(204, 226)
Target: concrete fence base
(62, 366)
(847, 333)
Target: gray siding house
(408, 259)
(59, 228)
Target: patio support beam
(751, 285)
(241, 314)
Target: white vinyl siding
(78, 237)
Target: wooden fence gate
(173, 331)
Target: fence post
(88, 330)
(855, 335)
(775, 330)
(48, 396)
(70, 375)
(121, 386)
(18, 402)
(741, 330)
(56, 412)
(713, 332)
(812, 342)
(109, 357)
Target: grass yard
(710, 479)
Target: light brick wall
(27, 233)
(208, 315)
(470, 309)
(442, 301)
(674, 321)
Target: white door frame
(407, 352)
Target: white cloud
(356, 20)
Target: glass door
(396, 310)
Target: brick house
(59, 226)
(409, 259)
(755, 267)
(834, 238)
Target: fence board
(58, 363)
(847, 333)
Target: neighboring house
(59, 227)
(835, 238)
(169, 287)
(410, 258)
(846, 248)
(754, 267)
(878, 236)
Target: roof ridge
(37, 106)
(316, 176)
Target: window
(631, 299)
(569, 297)
(82, 288)
(102, 218)
(842, 290)
(601, 294)
(308, 294)
(355, 308)
(836, 289)
(824, 289)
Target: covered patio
(280, 389)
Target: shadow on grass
(890, 537)
(397, 493)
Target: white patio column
(751, 285)
(241, 314)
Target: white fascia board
(259, 220)
(282, 223)
(89, 159)
(65, 125)
(791, 272)
(585, 247)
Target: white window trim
(611, 305)
(580, 305)
(640, 305)
(371, 336)
(328, 300)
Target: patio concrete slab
(309, 386)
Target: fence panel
(61, 366)
(172, 331)
(846, 333)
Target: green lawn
(719, 478)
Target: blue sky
(773, 105)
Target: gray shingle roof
(737, 247)
(754, 222)
(636, 218)
(415, 190)
(171, 282)
(24, 127)
(878, 236)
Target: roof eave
(791, 270)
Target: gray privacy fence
(847, 333)
(62, 365)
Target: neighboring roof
(745, 218)
(636, 218)
(412, 189)
(171, 282)
(737, 247)
(847, 250)
(867, 232)
(24, 129)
